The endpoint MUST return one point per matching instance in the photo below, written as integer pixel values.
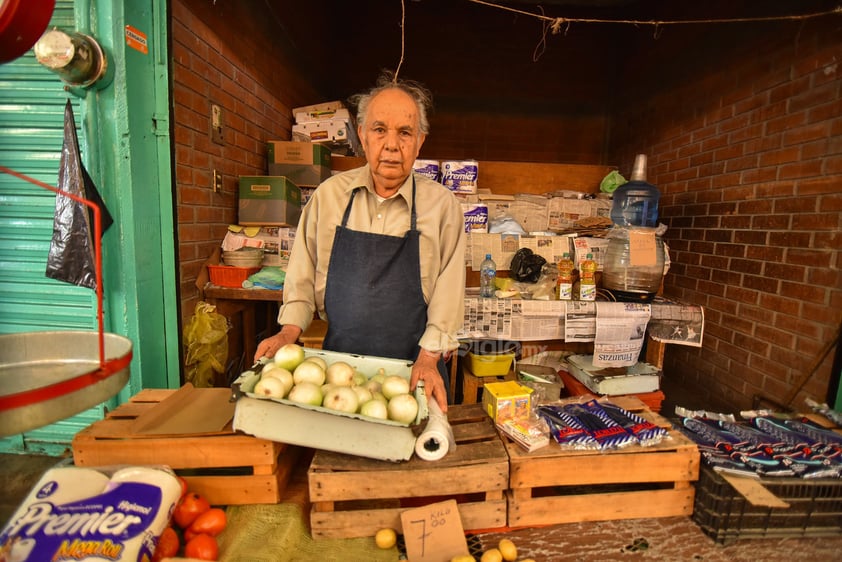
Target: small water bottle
(487, 274)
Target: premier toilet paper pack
(86, 514)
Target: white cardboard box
(320, 428)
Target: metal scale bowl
(48, 376)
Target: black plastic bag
(526, 266)
(71, 257)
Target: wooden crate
(355, 497)
(227, 468)
(551, 485)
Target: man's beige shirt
(440, 221)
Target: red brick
(795, 205)
(790, 239)
(742, 222)
(765, 253)
(828, 240)
(800, 170)
(785, 271)
(771, 222)
(776, 157)
(780, 304)
(753, 237)
(761, 284)
(816, 186)
(741, 294)
(804, 292)
(815, 221)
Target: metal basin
(49, 376)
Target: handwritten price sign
(434, 532)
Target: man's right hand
(270, 346)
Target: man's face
(391, 139)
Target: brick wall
(223, 55)
(745, 145)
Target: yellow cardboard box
(506, 400)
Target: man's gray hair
(418, 92)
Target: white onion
(393, 385)
(281, 374)
(309, 371)
(289, 356)
(306, 393)
(403, 408)
(270, 387)
(342, 399)
(340, 373)
(375, 409)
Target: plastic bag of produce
(206, 340)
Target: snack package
(92, 514)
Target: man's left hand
(426, 369)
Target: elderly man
(379, 251)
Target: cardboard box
(269, 201)
(316, 115)
(333, 133)
(320, 428)
(506, 400)
(304, 163)
(324, 107)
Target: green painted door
(124, 133)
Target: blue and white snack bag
(460, 176)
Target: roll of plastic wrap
(435, 441)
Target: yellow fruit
(386, 538)
(507, 549)
(462, 558)
(491, 555)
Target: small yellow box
(490, 365)
(506, 400)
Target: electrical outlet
(217, 181)
(216, 125)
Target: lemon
(462, 558)
(507, 549)
(385, 538)
(492, 555)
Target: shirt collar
(363, 179)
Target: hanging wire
(403, 39)
(557, 22)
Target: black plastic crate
(726, 516)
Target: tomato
(212, 522)
(202, 547)
(183, 483)
(189, 508)
(168, 545)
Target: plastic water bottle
(565, 277)
(487, 275)
(635, 203)
(587, 279)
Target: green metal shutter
(32, 101)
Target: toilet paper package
(460, 176)
(92, 514)
(476, 217)
(428, 168)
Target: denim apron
(373, 297)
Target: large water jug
(634, 260)
(625, 279)
(636, 201)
